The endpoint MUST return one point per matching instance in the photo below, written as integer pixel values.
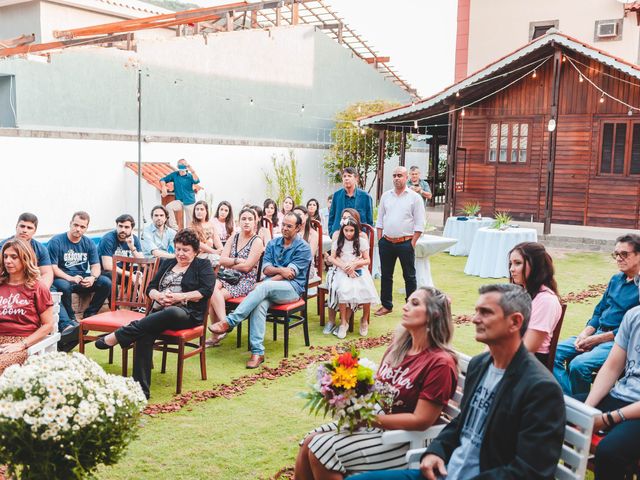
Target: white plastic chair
(50, 342)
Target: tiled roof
(632, 7)
(152, 172)
(551, 37)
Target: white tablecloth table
(488, 256)
(427, 245)
(464, 231)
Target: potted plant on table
(502, 221)
(61, 416)
(470, 209)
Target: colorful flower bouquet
(61, 416)
(345, 387)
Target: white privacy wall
(54, 177)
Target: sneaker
(364, 328)
(329, 328)
(341, 331)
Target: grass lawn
(255, 434)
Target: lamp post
(139, 153)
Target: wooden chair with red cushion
(322, 289)
(554, 339)
(129, 302)
(178, 341)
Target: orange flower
(347, 360)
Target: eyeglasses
(623, 255)
(397, 175)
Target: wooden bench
(575, 448)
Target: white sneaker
(364, 329)
(341, 331)
(329, 328)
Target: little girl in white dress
(349, 282)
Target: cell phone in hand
(358, 272)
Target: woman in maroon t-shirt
(422, 370)
(26, 308)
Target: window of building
(508, 142)
(537, 29)
(620, 148)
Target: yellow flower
(344, 377)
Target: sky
(418, 35)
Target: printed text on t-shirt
(11, 305)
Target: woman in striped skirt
(421, 369)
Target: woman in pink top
(223, 221)
(532, 267)
(26, 308)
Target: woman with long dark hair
(270, 210)
(313, 207)
(531, 267)
(263, 232)
(420, 368)
(223, 221)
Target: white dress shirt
(400, 215)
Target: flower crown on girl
(348, 221)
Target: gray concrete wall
(201, 86)
(23, 18)
(7, 102)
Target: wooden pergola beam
(40, 47)
(376, 60)
(18, 41)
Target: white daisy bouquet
(62, 415)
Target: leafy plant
(502, 220)
(470, 209)
(61, 416)
(283, 180)
(358, 147)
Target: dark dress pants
(101, 289)
(144, 333)
(389, 253)
(619, 450)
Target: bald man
(400, 224)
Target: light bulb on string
(534, 74)
(602, 98)
(457, 94)
(581, 79)
(415, 124)
(302, 108)
(251, 102)
(630, 112)
(564, 58)
(363, 131)
(462, 113)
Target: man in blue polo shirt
(121, 242)
(350, 197)
(579, 356)
(25, 230)
(286, 267)
(183, 181)
(76, 267)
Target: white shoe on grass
(341, 332)
(329, 328)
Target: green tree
(283, 180)
(358, 147)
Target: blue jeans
(388, 475)
(255, 308)
(101, 288)
(573, 370)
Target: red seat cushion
(186, 333)
(110, 321)
(595, 440)
(236, 301)
(285, 307)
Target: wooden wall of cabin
(581, 194)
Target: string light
(462, 113)
(251, 102)
(581, 79)
(457, 94)
(602, 98)
(630, 112)
(415, 124)
(363, 131)
(534, 74)
(302, 108)
(564, 58)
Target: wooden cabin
(549, 133)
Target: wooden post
(254, 19)
(434, 158)
(382, 139)
(551, 160)
(452, 143)
(295, 12)
(229, 21)
(403, 147)
(278, 16)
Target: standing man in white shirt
(400, 224)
